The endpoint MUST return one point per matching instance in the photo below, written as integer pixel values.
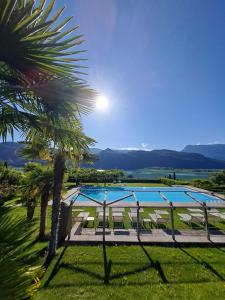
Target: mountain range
(215, 151)
(191, 157)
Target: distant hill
(9, 153)
(95, 151)
(131, 160)
(215, 151)
(128, 159)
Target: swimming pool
(145, 194)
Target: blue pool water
(144, 194)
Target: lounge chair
(100, 209)
(118, 209)
(218, 215)
(213, 210)
(161, 212)
(100, 217)
(134, 210)
(197, 218)
(212, 218)
(81, 217)
(158, 220)
(194, 210)
(117, 217)
(185, 218)
(133, 218)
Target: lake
(185, 174)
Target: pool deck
(89, 236)
(153, 236)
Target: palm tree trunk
(59, 170)
(44, 204)
(30, 210)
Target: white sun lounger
(195, 210)
(218, 215)
(134, 210)
(133, 218)
(161, 212)
(100, 216)
(118, 209)
(81, 217)
(158, 220)
(185, 218)
(197, 218)
(117, 217)
(100, 209)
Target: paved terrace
(153, 236)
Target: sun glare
(102, 103)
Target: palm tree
(39, 92)
(37, 185)
(45, 183)
(69, 140)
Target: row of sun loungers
(159, 217)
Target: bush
(168, 181)
(140, 180)
(219, 178)
(201, 183)
(10, 176)
(93, 175)
(7, 192)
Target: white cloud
(210, 143)
(215, 142)
(143, 147)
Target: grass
(36, 249)
(137, 272)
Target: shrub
(93, 175)
(10, 176)
(168, 181)
(7, 192)
(219, 178)
(201, 183)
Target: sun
(102, 103)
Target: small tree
(219, 178)
(37, 185)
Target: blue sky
(161, 64)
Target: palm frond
(29, 29)
(16, 278)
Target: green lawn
(136, 273)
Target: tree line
(82, 175)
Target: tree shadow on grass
(203, 264)
(81, 270)
(55, 269)
(138, 270)
(217, 247)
